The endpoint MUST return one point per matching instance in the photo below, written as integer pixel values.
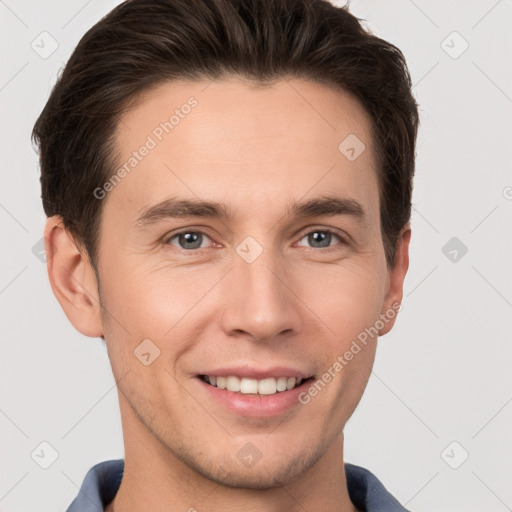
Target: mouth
(253, 394)
(250, 386)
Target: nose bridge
(261, 304)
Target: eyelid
(166, 239)
(342, 235)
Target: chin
(267, 473)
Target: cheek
(149, 301)
(164, 305)
(349, 307)
(348, 302)
(347, 299)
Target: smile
(247, 386)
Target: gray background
(441, 387)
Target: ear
(396, 276)
(72, 278)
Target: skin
(257, 149)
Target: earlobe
(393, 300)
(72, 278)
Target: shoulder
(368, 493)
(99, 486)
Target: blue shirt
(102, 482)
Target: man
(228, 191)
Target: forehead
(256, 145)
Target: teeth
(221, 382)
(281, 383)
(248, 386)
(269, 386)
(232, 383)
(290, 384)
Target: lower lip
(256, 406)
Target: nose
(261, 303)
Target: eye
(189, 240)
(320, 238)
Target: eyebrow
(182, 208)
(330, 206)
(179, 208)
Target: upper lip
(251, 372)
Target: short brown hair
(142, 43)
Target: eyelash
(343, 240)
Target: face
(242, 243)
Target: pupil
(190, 240)
(321, 238)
